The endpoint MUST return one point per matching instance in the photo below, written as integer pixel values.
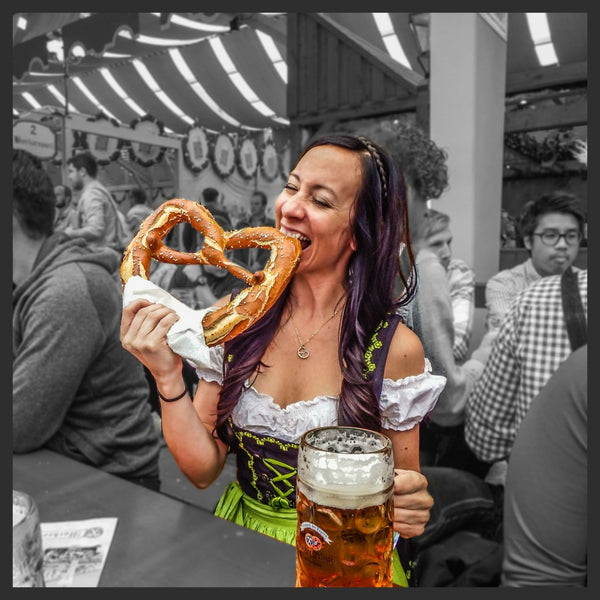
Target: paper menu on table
(75, 551)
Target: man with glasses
(552, 228)
(529, 308)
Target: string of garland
(557, 145)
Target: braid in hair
(375, 154)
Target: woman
(313, 359)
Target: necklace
(302, 351)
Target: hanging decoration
(194, 147)
(285, 160)
(269, 162)
(146, 154)
(246, 157)
(222, 155)
(105, 148)
(557, 145)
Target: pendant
(303, 352)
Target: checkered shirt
(531, 344)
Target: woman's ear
(527, 242)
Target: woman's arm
(412, 501)
(187, 426)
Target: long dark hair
(379, 222)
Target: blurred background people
(435, 230)
(424, 166)
(546, 492)
(66, 212)
(533, 340)
(138, 211)
(552, 227)
(192, 240)
(98, 220)
(255, 258)
(75, 389)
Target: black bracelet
(172, 399)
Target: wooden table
(159, 541)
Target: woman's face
(316, 204)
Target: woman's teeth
(304, 241)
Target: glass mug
(28, 557)
(344, 501)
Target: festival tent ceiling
(118, 54)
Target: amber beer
(344, 535)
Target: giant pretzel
(264, 287)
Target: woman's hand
(144, 327)
(412, 503)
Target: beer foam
(346, 461)
(343, 497)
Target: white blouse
(403, 402)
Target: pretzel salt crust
(264, 287)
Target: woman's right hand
(144, 327)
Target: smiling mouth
(304, 241)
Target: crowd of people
(384, 313)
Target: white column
(467, 92)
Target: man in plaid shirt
(531, 344)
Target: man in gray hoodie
(75, 389)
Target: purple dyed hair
(379, 226)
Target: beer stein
(344, 501)
(28, 558)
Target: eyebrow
(318, 187)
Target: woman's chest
(288, 378)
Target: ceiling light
(22, 23)
(121, 92)
(187, 74)
(160, 93)
(546, 54)
(31, 100)
(538, 27)
(240, 83)
(274, 54)
(183, 22)
(390, 39)
(156, 41)
(77, 81)
(61, 98)
(540, 35)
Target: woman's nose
(292, 207)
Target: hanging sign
(195, 149)
(285, 165)
(269, 163)
(35, 138)
(105, 147)
(247, 158)
(223, 155)
(146, 154)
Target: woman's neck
(310, 296)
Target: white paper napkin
(186, 337)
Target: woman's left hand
(412, 503)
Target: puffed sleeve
(405, 402)
(214, 371)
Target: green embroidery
(374, 345)
(229, 358)
(283, 472)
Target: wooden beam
(546, 77)
(375, 110)
(569, 114)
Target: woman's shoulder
(405, 356)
